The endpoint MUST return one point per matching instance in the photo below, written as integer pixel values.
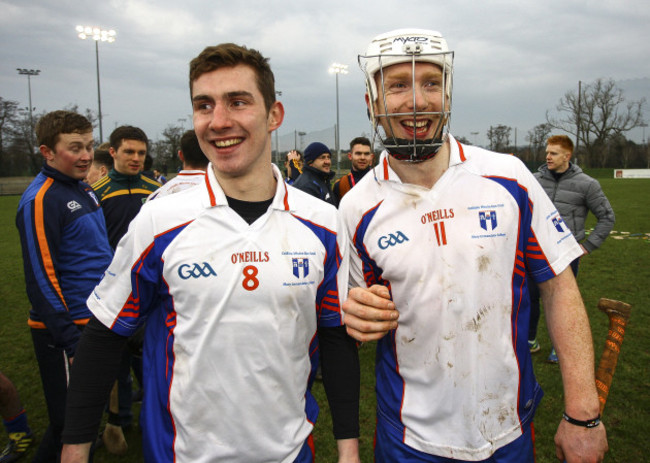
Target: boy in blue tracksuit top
(65, 252)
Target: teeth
(418, 124)
(227, 143)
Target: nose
(220, 117)
(418, 100)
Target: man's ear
(46, 152)
(180, 156)
(276, 116)
(111, 151)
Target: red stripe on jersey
(386, 168)
(213, 201)
(461, 152)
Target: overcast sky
(514, 60)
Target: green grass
(619, 270)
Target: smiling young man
(360, 157)
(65, 252)
(240, 280)
(443, 236)
(316, 173)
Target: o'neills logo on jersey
(187, 271)
(438, 214)
(392, 239)
(249, 256)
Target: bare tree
(537, 138)
(596, 116)
(499, 137)
(8, 116)
(166, 150)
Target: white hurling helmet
(408, 46)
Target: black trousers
(54, 367)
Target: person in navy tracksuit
(65, 252)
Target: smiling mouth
(227, 143)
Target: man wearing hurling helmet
(444, 236)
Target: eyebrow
(227, 95)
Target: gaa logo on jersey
(73, 205)
(557, 222)
(187, 271)
(488, 220)
(393, 239)
(300, 267)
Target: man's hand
(75, 453)
(575, 444)
(369, 313)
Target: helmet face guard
(407, 46)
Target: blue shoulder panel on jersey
(327, 296)
(372, 273)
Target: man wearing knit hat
(316, 175)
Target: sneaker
(533, 346)
(552, 358)
(18, 444)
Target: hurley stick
(618, 313)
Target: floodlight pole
(97, 35)
(29, 73)
(337, 69)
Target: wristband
(585, 424)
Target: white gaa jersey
(456, 379)
(231, 315)
(184, 179)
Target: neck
(426, 173)
(249, 187)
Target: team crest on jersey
(557, 222)
(488, 220)
(300, 267)
(93, 197)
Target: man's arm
(341, 378)
(600, 207)
(94, 370)
(570, 332)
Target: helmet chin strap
(404, 150)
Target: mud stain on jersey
(483, 263)
(475, 323)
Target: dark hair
(231, 55)
(359, 141)
(148, 162)
(192, 154)
(562, 140)
(53, 124)
(103, 157)
(127, 132)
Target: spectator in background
(194, 166)
(293, 166)
(159, 177)
(574, 194)
(14, 419)
(65, 253)
(101, 165)
(361, 157)
(121, 194)
(316, 175)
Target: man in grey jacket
(574, 194)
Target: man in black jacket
(316, 175)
